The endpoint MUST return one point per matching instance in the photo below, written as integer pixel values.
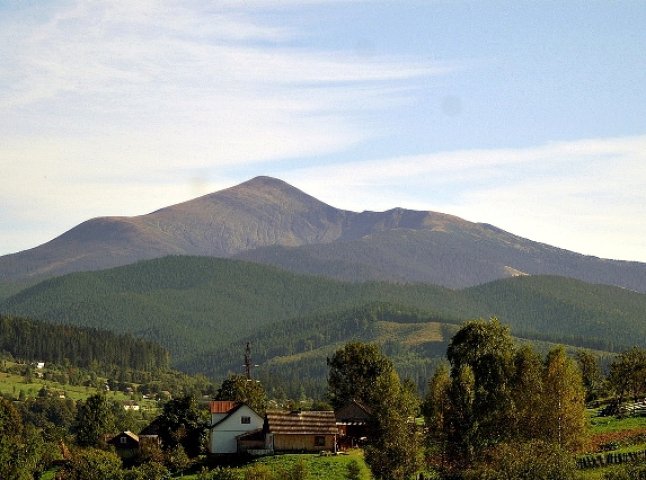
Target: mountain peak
(265, 215)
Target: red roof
(222, 406)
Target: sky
(530, 116)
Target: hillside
(85, 347)
(196, 305)
(268, 221)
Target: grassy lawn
(318, 467)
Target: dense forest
(37, 340)
(195, 305)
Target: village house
(300, 431)
(126, 444)
(229, 421)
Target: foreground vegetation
(498, 409)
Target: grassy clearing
(11, 385)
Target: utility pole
(247, 361)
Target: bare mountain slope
(268, 221)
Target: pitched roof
(125, 433)
(222, 406)
(353, 412)
(302, 423)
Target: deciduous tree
(353, 372)
(182, 423)
(239, 388)
(563, 406)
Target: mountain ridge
(266, 220)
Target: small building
(229, 422)
(126, 444)
(300, 431)
(131, 405)
(354, 421)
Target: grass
(334, 467)
(11, 384)
(626, 433)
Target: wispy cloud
(121, 93)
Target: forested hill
(33, 340)
(195, 305)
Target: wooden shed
(300, 431)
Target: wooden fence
(610, 458)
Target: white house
(229, 420)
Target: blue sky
(527, 115)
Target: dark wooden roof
(302, 423)
(353, 412)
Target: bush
(258, 472)
(354, 470)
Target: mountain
(268, 221)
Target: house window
(123, 440)
(245, 420)
(319, 441)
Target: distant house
(354, 420)
(300, 431)
(229, 422)
(131, 405)
(125, 443)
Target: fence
(603, 459)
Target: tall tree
(239, 388)
(353, 371)
(435, 409)
(527, 393)
(591, 374)
(487, 349)
(182, 423)
(563, 412)
(94, 418)
(628, 374)
(21, 447)
(393, 452)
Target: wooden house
(300, 431)
(126, 444)
(354, 421)
(231, 421)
